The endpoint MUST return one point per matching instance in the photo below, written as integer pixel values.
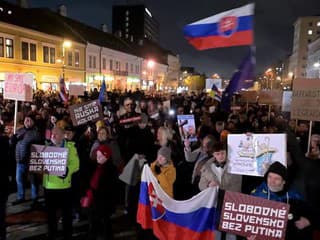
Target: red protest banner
(250, 216)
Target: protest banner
(85, 112)
(252, 155)
(286, 101)
(215, 81)
(187, 127)
(254, 217)
(47, 159)
(306, 99)
(248, 96)
(76, 90)
(270, 97)
(18, 86)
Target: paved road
(24, 223)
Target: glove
(65, 175)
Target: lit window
(309, 32)
(9, 48)
(77, 58)
(318, 24)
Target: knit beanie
(277, 168)
(165, 152)
(105, 150)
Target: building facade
(134, 22)
(23, 50)
(306, 30)
(313, 63)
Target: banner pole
(269, 113)
(309, 138)
(15, 116)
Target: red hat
(105, 150)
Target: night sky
(273, 27)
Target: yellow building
(24, 50)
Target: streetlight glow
(150, 64)
(67, 44)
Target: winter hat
(105, 150)
(165, 152)
(277, 168)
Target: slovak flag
(226, 29)
(192, 219)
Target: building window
(137, 69)
(127, 13)
(111, 65)
(131, 68)
(127, 36)
(69, 58)
(9, 48)
(117, 65)
(29, 51)
(310, 24)
(309, 40)
(104, 64)
(127, 67)
(33, 52)
(94, 62)
(1, 47)
(127, 30)
(90, 61)
(25, 50)
(309, 32)
(318, 24)
(76, 58)
(49, 55)
(127, 19)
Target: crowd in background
(99, 151)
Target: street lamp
(65, 45)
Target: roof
(46, 21)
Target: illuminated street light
(316, 65)
(65, 45)
(150, 64)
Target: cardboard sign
(85, 112)
(18, 86)
(306, 99)
(250, 216)
(248, 96)
(252, 155)
(286, 101)
(187, 127)
(46, 159)
(76, 90)
(270, 97)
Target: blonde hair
(166, 135)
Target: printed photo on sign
(187, 127)
(250, 216)
(253, 154)
(47, 159)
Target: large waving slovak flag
(192, 219)
(226, 29)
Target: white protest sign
(252, 155)
(18, 86)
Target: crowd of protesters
(139, 125)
